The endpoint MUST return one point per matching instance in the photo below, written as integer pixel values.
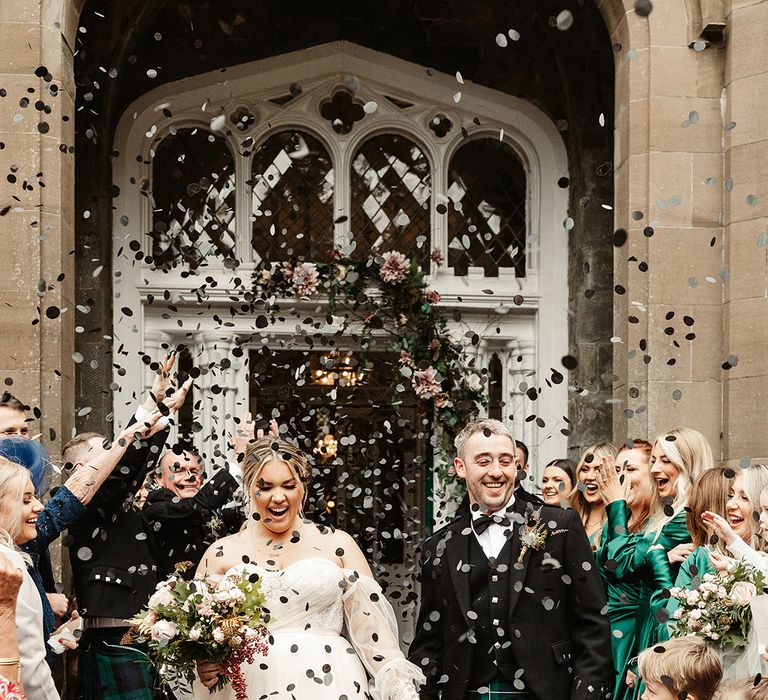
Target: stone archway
(426, 36)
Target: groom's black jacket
(557, 625)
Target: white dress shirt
(494, 538)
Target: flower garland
(388, 294)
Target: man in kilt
(114, 561)
(511, 602)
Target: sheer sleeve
(742, 551)
(372, 630)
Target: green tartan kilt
(111, 672)
(498, 689)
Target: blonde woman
(586, 498)
(19, 510)
(316, 581)
(653, 557)
(743, 530)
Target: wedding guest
(743, 537)
(678, 458)
(512, 604)
(13, 416)
(19, 510)
(687, 668)
(586, 498)
(712, 492)
(558, 482)
(59, 513)
(11, 579)
(188, 514)
(626, 490)
(522, 456)
(185, 513)
(113, 556)
(66, 507)
(754, 688)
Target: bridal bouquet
(718, 608)
(203, 620)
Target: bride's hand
(208, 672)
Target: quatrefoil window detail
(342, 110)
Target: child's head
(687, 668)
(747, 689)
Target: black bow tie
(482, 523)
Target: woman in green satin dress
(585, 499)
(650, 558)
(627, 492)
(709, 493)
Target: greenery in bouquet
(222, 621)
(388, 296)
(718, 608)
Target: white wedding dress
(310, 603)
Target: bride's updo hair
(272, 449)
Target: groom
(511, 602)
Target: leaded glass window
(193, 195)
(292, 198)
(391, 191)
(486, 213)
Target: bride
(316, 582)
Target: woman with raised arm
(653, 558)
(626, 490)
(316, 581)
(586, 498)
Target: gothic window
(193, 198)
(391, 192)
(486, 213)
(291, 190)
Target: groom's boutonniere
(533, 534)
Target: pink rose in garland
(425, 383)
(305, 279)
(394, 267)
(432, 296)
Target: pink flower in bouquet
(287, 270)
(742, 592)
(425, 383)
(406, 359)
(394, 267)
(437, 257)
(432, 296)
(305, 279)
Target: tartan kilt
(111, 672)
(499, 690)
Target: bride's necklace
(270, 546)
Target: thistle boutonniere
(215, 524)
(533, 534)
